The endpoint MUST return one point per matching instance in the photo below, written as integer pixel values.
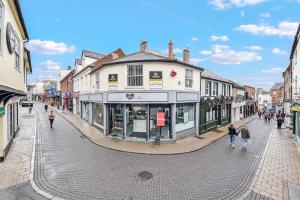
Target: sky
(247, 41)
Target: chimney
(171, 51)
(143, 46)
(69, 68)
(186, 55)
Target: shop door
(136, 121)
(116, 120)
(154, 130)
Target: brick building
(277, 96)
(251, 106)
(66, 87)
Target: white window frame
(97, 80)
(215, 89)
(188, 78)
(2, 14)
(223, 89)
(17, 52)
(135, 77)
(228, 90)
(207, 88)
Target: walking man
(51, 119)
(232, 134)
(245, 137)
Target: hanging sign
(112, 80)
(155, 80)
(2, 110)
(160, 119)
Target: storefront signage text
(155, 80)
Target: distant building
(66, 90)
(264, 99)
(238, 103)
(277, 96)
(250, 107)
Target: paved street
(69, 166)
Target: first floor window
(188, 78)
(224, 89)
(215, 89)
(135, 75)
(207, 88)
(1, 24)
(17, 52)
(228, 90)
(97, 80)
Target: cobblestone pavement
(69, 166)
(280, 166)
(15, 169)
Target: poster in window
(113, 80)
(155, 80)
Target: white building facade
(238, 103)
(15, 64)
(144, 95)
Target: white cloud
(221, 37)
(223, 54)
(254, 48)
(265, 82)
(49, 47)
(265, 15)
(51, 65)
(195, 61)
(284, 29)
(225, 4)
(205, 52)
(195, 39)
(175, 51)
(242, 13)
(275, 70)
(277, 51)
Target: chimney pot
(171, 50)
(143, 46)
(186, 55)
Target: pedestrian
(46, 107)
(259, 114)
(245, 137)
(51, 119)
(279, 122)
(30, 109)
(269, 117)
(266, 116)
(232, 134)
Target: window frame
(97, 80)
(208, 89)
(17, 52)
(134, 77)
(215, 89)
(2, 35)
(223, 89)
(189, 73)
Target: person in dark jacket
(279, 122)
(245, 137)
(232, 134)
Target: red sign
(160, 119)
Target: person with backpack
(232, 134)
(245, 137)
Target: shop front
(146, 116)
(296, 122)
(214, 112)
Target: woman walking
(51, 119)
(245, 137)
(232, 134)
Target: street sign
(160, 119)
(2, 110)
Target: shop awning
(295, 108)
(7, 93)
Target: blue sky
(247, 41)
